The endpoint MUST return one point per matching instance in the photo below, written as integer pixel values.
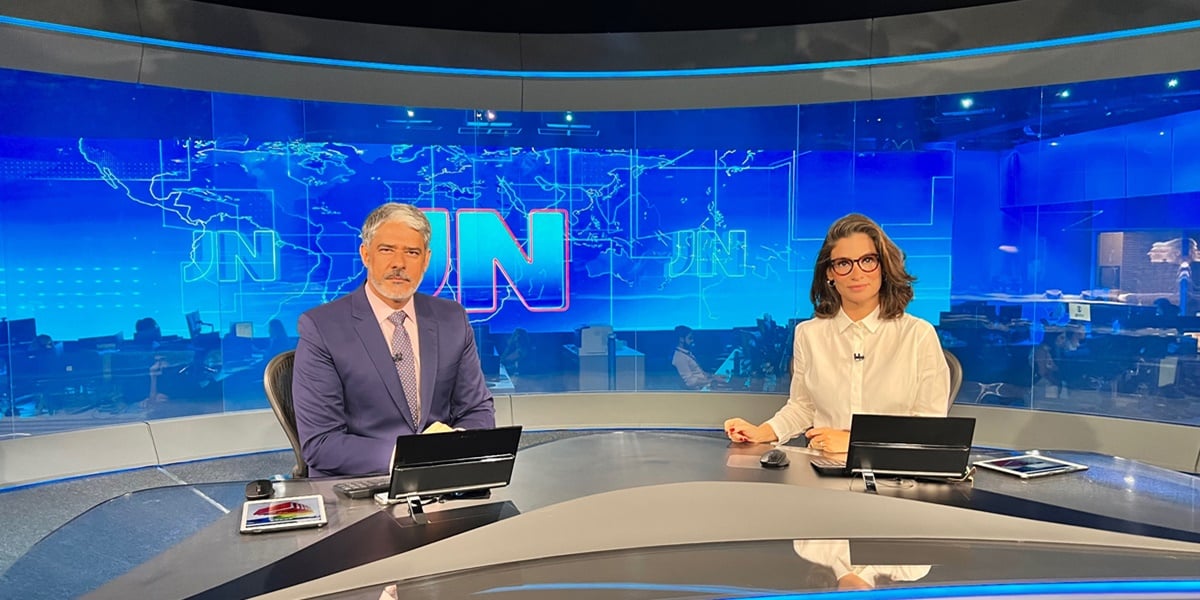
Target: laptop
(447, 463)
(434, 464)
(927, 447)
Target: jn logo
(702, 252)
(484, 250)
(231, 254)
(487, 249)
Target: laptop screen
(912, 446)
(454, 461)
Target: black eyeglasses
(866, 263)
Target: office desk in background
(624, 493)
(592, 368)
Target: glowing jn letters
(702, 252)
(536, 274)
(232, 254)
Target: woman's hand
(741, 430)
(828, 439)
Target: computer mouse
(774, 459)
(259, 489)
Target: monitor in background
(593, 339)
(243, 329)
(488, 359)
(490, 365)
(974, 307)
(1008, 313)
(1103, 315)
(483, 343)
(102, 343)
(1147, 317)
(436, 464)
(18, 331)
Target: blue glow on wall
(139, 202)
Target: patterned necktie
(402, 356)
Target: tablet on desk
(1027, 466)
(283, 513)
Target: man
(384, 360)
(694, 378)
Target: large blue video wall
(223, 217)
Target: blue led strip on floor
(656, 73)
(1082, 589)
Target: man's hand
(741, 430)
(437, 427)
(851, 581)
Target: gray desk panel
(700, 512)
(597, 492)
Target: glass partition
(159, 244)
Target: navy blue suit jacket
(349, 403)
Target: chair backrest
(956, 374)
(277, 380)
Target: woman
(862, 353)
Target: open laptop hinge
(416, 512)
(869, 479)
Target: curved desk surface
(623, 499)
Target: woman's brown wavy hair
(895, 290)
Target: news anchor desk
(636, 508)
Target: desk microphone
(858, 356)
(397, 357)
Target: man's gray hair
(398, 212)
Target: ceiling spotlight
(491, 115)
(569, 117)
(1173, 82)
(966, 103)
(411, 113)
(1064, 94)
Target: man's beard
(399, 297)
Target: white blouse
(839, 367)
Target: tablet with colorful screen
(1026, 466)
(283, 513)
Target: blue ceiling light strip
(647, 74)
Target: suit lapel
(427, 325)
(378, 349)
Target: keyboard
(828, 466)
(363, 488)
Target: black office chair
(956, 374)
(277, 380)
